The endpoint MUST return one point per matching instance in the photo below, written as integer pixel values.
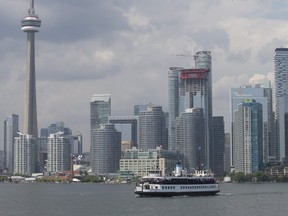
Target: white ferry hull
(196, 190)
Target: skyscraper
(100, 109)
(43, 140)
(30, 24)
(203, 60)
(152, 128)
(106, 149)
(192, 88)
(190, 138)
(262, 93)
(173, 105)
(78, 144)
(25, 154)
(11, 127)
(248, 137)
(219, 145)
(59, 149)
(283, 128)
(140, 108)
(281, 91)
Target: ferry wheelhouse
(178, 184)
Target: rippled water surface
(119, 200)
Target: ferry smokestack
(178, 170)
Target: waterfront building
(59, 152)
(219, 145)
(11, 127)
(262, 93)
(105, 149)
(141, 162)
(25, 154)
(190, 139)
(281, 91)
(152, 128)
(248, 137)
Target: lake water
(119, 200)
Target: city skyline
(128, 54)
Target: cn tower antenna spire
(31, 10)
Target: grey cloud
(80, 73)
(240, 57)
(102, 21)
(267, 52)
(211, 38)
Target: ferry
(179, 183)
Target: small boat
(177, 184)
(227, 179)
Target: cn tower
(30, 24)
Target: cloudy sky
(125, 47)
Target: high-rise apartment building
(105, 149)
(152, 128)
(25, 154)
(43, 140)
(248, 137)
(190, 138)
(281, 91)
(11, 127)
(59, 152)
(262, 93)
